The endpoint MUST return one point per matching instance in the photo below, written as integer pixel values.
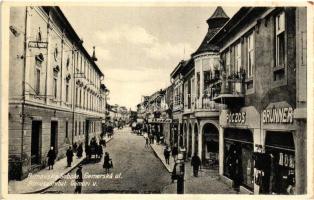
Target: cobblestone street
(140, 170)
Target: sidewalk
(159, 151)
(45, 178)
(208, 181)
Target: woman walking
(107, 163)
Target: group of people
(52, 155)
(94, 148)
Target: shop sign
(37, 44)
(236, 117)
(278, 115)
(160, 120)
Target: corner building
(55, 92)
(263, 87)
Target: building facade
(263, 88)
(55, 93)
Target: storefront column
(258, 140)
(300, 157)
(187, 134)
(200, 141)
(221, 150)
(193, 141)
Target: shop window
(279, 175)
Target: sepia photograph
(158, 99)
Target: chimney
(94, 54)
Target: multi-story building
(201, 113)
(263, 88)
(55, 92)
(177, 105)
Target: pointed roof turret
(215, 22)
(219, 13)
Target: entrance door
(87, 132)
(54, 135)
(210, 146)
(35, 142)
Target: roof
(179, 67)
(71, 32)
(219, 13)
(239, 17)
(215, 22)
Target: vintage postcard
(181, 99)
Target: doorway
(190, 141)
(35, 142)
(210, 146)
(54, 135)
(87, 132)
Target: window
(76, 95)
(80, 100)
(79, 128)
(75, 128)
(228, 66)
(67, 91)
(280, 40)
(66, 129)
(55, 87)
(37, 81)
(238, 57)
(250, 55)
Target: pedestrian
(69, 155)
(196, 163)
(175, 152)
(167, 154)
(51, 157)
(107, 162)
(79, 180)
(88, 152)
(74, 147)
(234, 166)
(79, 150)
(146, 142)
(99, 151)
(151, 138)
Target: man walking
(196, 163)
(69, 155)
(51, 158)
(175, 152)
(146, 142)
(79, 180)
(167, 154)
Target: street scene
(157, 100)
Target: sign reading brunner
(278, 115)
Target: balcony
(206, 107)
(231, 92)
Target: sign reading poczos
(236, 117)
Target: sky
(138, 47)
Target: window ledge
(249, 79)
(279, 68)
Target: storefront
(210, 146)
(278, 171)
(238, 156)
(238, 136)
